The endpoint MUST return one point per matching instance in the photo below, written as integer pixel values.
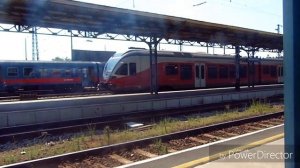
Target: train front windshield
(110, 65)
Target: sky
(262, 15)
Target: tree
(61, 59)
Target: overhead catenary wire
(201, 3)
(237, 4)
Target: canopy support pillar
(237, 67)
(154, 41)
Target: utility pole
(71, 44)
(25, 49)
(35, 48)
(278, 31)
(278, 28)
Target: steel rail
(54, 161)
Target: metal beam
(111, 36)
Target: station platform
(269, 155)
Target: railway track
(19, 133)
(128, 152)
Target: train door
(85, 77)
(92, 79)
(89, 76)
(199, 75)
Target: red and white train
(180, 70)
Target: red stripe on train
(42, 81)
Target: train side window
(85, 72)
(74, 72)
(223, 71)
(27, 72)
(132, 68)
(12, 71)
(185, 72)
(91, 71)
(171, 69)
(202, 72)
(56, 72)
(212, 72)
(197, 70)
(122, 70)
(68, 73)
(280, 71)
(273, 71)
(43, 72)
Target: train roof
(145, 52)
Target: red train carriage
(176, 70)
(38, 75)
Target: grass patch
(160, 147)
(93, 139)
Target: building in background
(87, 55)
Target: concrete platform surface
(269, 155)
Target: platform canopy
(73, 15)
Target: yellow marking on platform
(225, 153)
